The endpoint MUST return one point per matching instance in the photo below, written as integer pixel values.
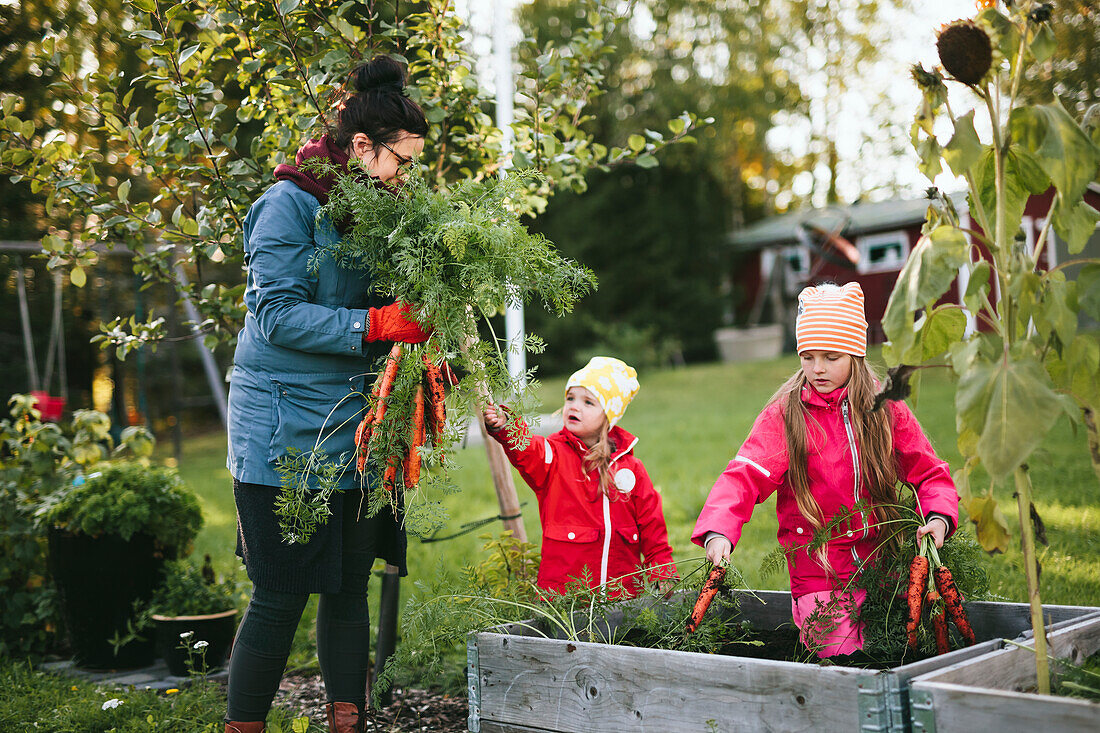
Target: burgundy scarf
(307, 180)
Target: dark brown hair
(378, 106)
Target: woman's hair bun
(380, 73)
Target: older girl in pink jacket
(821, 449)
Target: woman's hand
(937, 527)
(494, 420)
(394, 323)
(718, 549)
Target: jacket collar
(832, 400)
(624, 442)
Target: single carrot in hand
(706, 595)
(389, 478)
(914, 595)
(952, 600)
(939, 622)
(412, 461)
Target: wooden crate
(521, 682)
(985, 693)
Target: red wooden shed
(782, 254)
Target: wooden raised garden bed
(522, 682)
(991, 692)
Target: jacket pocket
(630, 536)
(570, 533)
(314, 412)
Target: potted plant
(109, 536)
(194, 617)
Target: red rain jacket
(582, 528)
(760, 468)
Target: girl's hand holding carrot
(718, 549)
(937, 527)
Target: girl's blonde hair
(598, 457)
(874, 441)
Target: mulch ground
(411, 710)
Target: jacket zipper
(855, 463)
(606, 539)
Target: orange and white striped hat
(831, 318)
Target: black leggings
(267, 631)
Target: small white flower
(111, 704)
(200, 645)
(187, 634)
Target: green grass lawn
(690, 422)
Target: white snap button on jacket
(357, 324)
(572, 535)
(635, 536)
(625, 480)
(799, 530)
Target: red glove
(392, 323)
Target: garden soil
(411, 710)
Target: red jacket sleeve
(533, 462)
(652, 531)
(757, 470)
(919, 465)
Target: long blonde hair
(598, 457)
(875, 446)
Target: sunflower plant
(1025, 365)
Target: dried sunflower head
(1041, 14)
(966, 50)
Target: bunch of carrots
(429, 418)
(936, 593)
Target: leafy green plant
(1028, 365)
(461, 256)
(186, 592)
(126, 498)
(206, 115)
(37, 461)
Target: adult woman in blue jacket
(309, 339)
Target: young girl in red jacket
(601, 517)
(818, 445)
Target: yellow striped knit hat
(831, 318)
(612, 381)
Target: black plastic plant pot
(98, 580)
(180, 654)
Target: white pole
(514, 329)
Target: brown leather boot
(257, 727)
(345, 717)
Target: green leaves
(964, 149)
(1059, 146)
(1010, 405)
(931, 268)
(1023, 177)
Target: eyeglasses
(402, 160)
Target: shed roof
(853, 220)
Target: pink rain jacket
(760, 468)
(581, 527)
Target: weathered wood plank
(574, 686)
(958, 709)
(987, 693)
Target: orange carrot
(437, 397)
(918, 579)
(706, 595)
(952, 599)
(412, 461)
(389, 478)
(387, 382)
(362, 442)
(939, 622)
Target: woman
(308, 340)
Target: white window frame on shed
(797, 271)
(898, 238)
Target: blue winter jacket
(301, 364)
